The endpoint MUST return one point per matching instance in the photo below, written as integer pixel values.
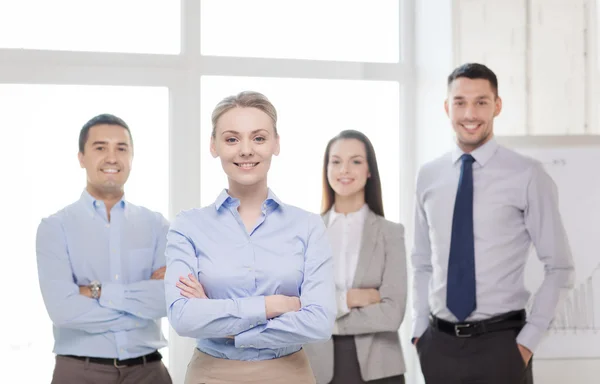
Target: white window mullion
(407, 76)
(75, 74)
(45, 58)
(185, 144)
(184, 181)
(290, 68)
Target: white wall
(546, 77)
(548, 83)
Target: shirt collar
(93, 203)
(360, 214)
(222, 198)
(225, 199)
(481, 155)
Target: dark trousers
(345, 362)
(489, 358)
(72, 371)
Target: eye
(357, 162)
(100, 148)
(459, 103)
(122, 149)
(260, 139)
(230, 140)
(334, 162)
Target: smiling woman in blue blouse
(249, 277)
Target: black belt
(154, 356)
(510, 320)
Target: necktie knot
(467, 158)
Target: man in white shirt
(478, 210)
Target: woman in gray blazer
(370, 270)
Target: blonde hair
(245, 99)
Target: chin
(470, 138)
(469, 141)
(246, 181)
(343, 192)
(110, 188)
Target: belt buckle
(458, 327)
(117, 364)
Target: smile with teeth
(471, 126)
(345, 180)
(246, 165)
(110, 170)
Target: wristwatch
(95, 289)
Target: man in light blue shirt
(101, 267)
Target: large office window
(162, 65)
(41, 175)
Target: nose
(111, 156)
(470, 113)
(246, 148)
(344, 168)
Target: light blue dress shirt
(286, 253)
(78, 245)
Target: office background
(379, 66)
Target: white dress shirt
(345, 234)
(515, 204)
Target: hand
(87, 292)
(159, 274)
(525, 353)
(415, 341)
(358, 298)
(277, 305)
(191, 287)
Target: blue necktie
(460, 298)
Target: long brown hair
(372, 188)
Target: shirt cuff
(253, 309)
(342, 303)
(248, 339)
(112, 295)
(420, 325)
(530, 336)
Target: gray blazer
(381, 265)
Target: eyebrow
(352, 157)
(106, 143)
(477, 98)
(237, 133)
